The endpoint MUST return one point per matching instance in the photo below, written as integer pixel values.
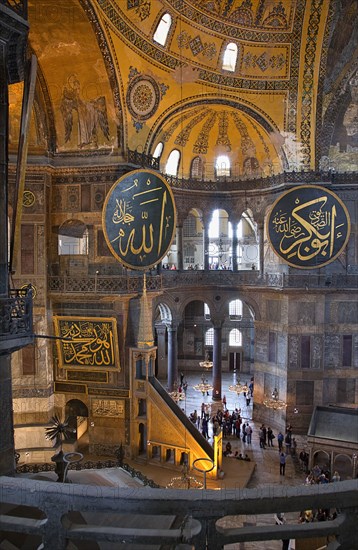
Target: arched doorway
(77, 413)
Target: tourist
(282, 463)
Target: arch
(235, 309)
(76, 407)
(322, 459)
(343, 464)
(235, 338)
(197, 168)
(165, 313)
(172, 164)
(158, 150)
(162, 31)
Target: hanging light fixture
(204, 387)
(177, 395)
(185, 481)
(207, 365)
(273, 402)
(239, 388)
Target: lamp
(204, 387)
(273, 402)
(206, 364)
(239, 388)
(185, 481)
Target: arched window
(207, 312)
(73, 238)
(158, 150)
(209, 337)
(171, 168)
(235, 309)
(196, 170)
(230, 57)
(222, 166)
(235, 338)
(162, 30)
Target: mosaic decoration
(201, 144)
(308, 227)
(308, 80)
(89, 343)
(141, 8)
(184, 135)
(108, 407)
(143, 96)
(247, 145)
(196, 45)
(92, 114)
(168, 133)
(263, 61)
(223, 138)
(139, 219)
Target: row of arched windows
(161, 34)
(222, 164)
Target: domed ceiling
(105, 85)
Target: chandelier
(177, 395)
(204, 387)
(273, 402)
(206, 364)
(239, 388)
(185, 481)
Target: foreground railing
(69, 512)
(19, 6)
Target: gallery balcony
(16, 328)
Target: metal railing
(18, 6)
(169, 279)
(16, 321)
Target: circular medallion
(30, 286)
(139, 219)
(28, 199)
(308, 226)
(142, 97)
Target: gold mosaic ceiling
(104, 85)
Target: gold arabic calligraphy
(139, 240)
(307, 237)
(91, 343)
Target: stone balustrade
(176, 517)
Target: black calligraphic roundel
(308, 226)
(139, 219)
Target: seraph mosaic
(87, 342)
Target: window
(73, 238)
(222, 166)
(305, 352)
(209, 337)
(189, 226)
(172, 165)
(235, 338)
(347, 350)
(158, 150)
(207, 312)
(196, 171)
(235, 309)
(162, 30)
(230, 57)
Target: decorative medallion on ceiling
(143, 97)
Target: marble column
(216, 382)
(179, 238)
(261, 247)
(161, 355)
(206, 242)
(172, 357)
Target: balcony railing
(18, 6)
(169, 279)
(172, 517)
(16, 323)
(243, 182)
